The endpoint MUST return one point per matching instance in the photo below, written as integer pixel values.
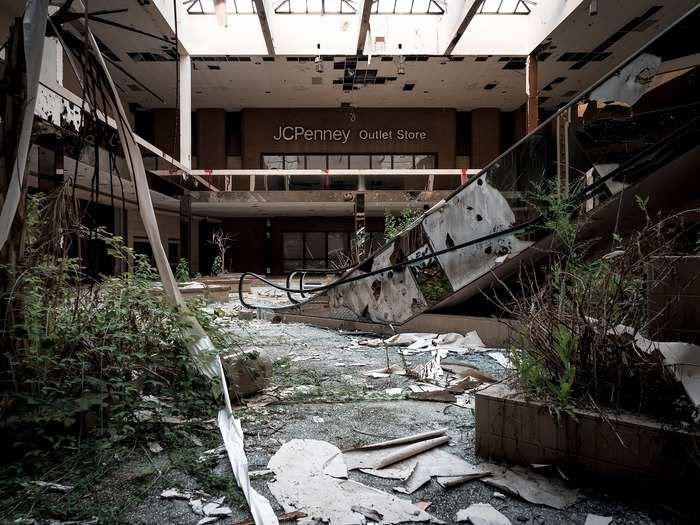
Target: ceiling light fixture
(593, 8)
(401, 70)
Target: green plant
(182, 271)
(395, 225)
(82, 354)
(216, 267)
(570, 351)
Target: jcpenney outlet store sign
(342, 136)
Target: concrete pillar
(185, 100)
(211, 141)
(186, 228)
(532, 92)
(485, 136)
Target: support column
(532, 92)
(185, 100)
(186, 228)
(359, 248)
(563, 120)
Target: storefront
(348, 138)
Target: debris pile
(201, 503)
(437, 379)
(312, 476)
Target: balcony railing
(332, 179)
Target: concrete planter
(512, 428)
(230, 280)
(213, 292)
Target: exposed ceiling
(576, 53)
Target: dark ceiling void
(682, 40)
(600, 52)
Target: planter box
(512, 428)
(229, 280)
(214, 292)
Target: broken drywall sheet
(629, 83)
(401, 471)
(414, 462)
(682, 358)
(530, 486)
(438, 463)
(302, 485)
(384, 457)
(482, 514)
(404, 440)
(476, 211)
(418, 343)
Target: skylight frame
(236, 10)
(345, 7)
(520, 7)
(408, 7)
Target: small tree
(222, 241)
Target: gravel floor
(355, 410)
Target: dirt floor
(317, 377)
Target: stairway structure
(611, 146)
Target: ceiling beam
(265, 26)
(462, 27)
(364, 25)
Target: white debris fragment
(155, 447)
(682, 358)
(401, 471)
(317, 419)
(594, 519)
(501, 359)
(384, 457)
(253, 474)
(482, 514)
(424, 387)
(175, 494)
(531, 486)
(56, 487)
(385, 372)
(214, 509)
(207, 520)
(438, 463)
(197, 506)
(219, 451)
(465, 400)
(302, 484)
(499, 495)
(393, 391)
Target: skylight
(315, 7)
(408, 7)
(233, 7)
(504, 7)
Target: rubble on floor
(302, 482)
(482, 514)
